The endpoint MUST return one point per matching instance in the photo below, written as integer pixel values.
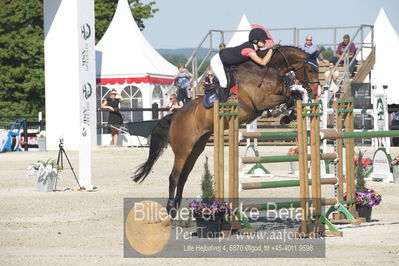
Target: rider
(233, 56)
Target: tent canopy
(386, 41)
(123, 55)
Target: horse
(188, 129)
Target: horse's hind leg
(173, 180)
(188, 166)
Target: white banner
(87, 87)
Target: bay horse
(188, 129)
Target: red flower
(293, 151)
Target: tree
(21, 57)
(327, 53)
(105, 10)
(22, 50)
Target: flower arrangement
(209, 211)
(44, 169)
(364, 196)
(207, 207)
(368, 197)
(365, 162)
(395, 161)
(293, 151)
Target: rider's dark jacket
(236, 55)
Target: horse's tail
(158, 142)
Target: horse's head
(293, 59)
(289, 58)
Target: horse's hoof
(285, 120)
(172, 213)
(170, 207)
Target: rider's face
(261, 43)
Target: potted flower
(209, 217)
(295, 164)
(207, 212)
(46, 173)
(41, 140)
(395, 169)
(365, 198)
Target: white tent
(241, 35)
(127, 62)
(386, 41)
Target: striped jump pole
(284, 183)
(284, 158)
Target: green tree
(327, 53)
(22, 50)
(105, 10)
(175, 59)
(21, 57)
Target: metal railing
(287, 36)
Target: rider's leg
(218, 70)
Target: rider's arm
(261, 61)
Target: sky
(184, 23)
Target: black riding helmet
(258, 34)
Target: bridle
(306, 82)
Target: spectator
(339, 56)
(183, 80)
(211, 81)
(313, 53)
(331, 80)
(115, 119)
(174, 103)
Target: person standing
(182, 80)
(115, 117)
(331, 80)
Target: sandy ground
(86, 228)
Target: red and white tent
(127, 62)
(124, 57)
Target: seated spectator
(174, 103)
(339, 56)
(211, 81)
(313, 53)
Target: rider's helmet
(258, 34)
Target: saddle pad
(209, 98)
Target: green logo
(85, 31)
